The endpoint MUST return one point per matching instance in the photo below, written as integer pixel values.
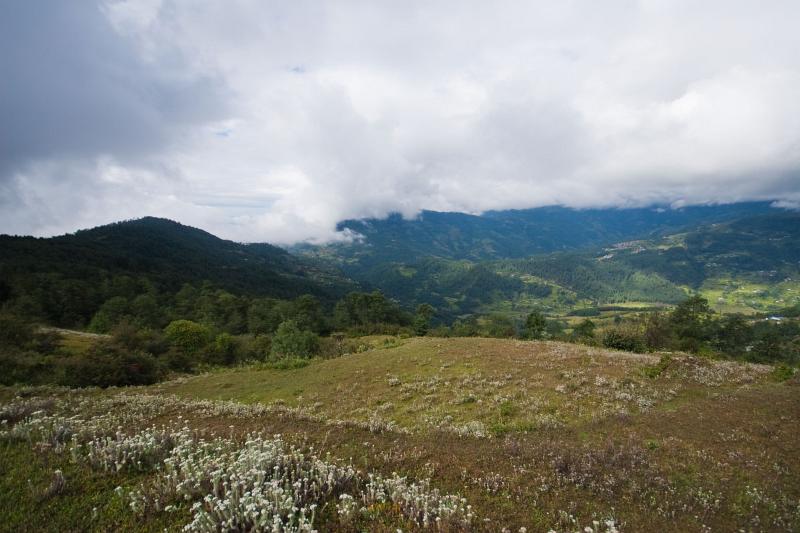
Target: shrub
(624, 338)
(783, 372)
(14, 331)
(653, 372)
(46, 342)
(106, 365)
(187, 335)
(225, 350)
(23, 367)
(338, 345)
(291, 341)
(132, 338)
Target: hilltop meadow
(422, 433)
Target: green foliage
(225, 349)
(107, 364)
(367, 312)
(653, 372)
(691, 322)
(626, 338)
(535, 325)
(188, 336)
(422, 319)
(585, 330)
(291, 341)
(109, 315)
(783, 372)
(499, 326)
(25, 366)
(14, 331)
(465, 327)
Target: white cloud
(265, 121)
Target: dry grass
(574, 434)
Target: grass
(87, 503)
(572, 435)
(749, 294)
(76, 342)
(432, 384)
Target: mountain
(78, 271)
(512, 233)
(744, 257)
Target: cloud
(264, 121)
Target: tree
(422, 319)
(535, 325)
(733, 334)
(187, 335)
(366, 311)
(291, 341)
(146, 311)
(307, 312)
(466, 327)
(691, 320)
(500, 326)
(585, 330)
(110, 314)
(14, 331)
(264, 316)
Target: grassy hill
(540, 435)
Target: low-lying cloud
(265, 121)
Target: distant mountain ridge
(555, 257)
(514, 233)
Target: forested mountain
(513, 233)
(69, 276)
(458, 263)
(749, 262)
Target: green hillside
(67, 278)
(747, 264)
(512, 233)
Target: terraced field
(483, 434)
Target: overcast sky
(271, 121)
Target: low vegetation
(421, 433)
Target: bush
(187, 335)
(783, 372)
(24, 367)
(14, 331)
(106, 365)
(132, 338)
(46, 342)
(653, 372)
(225, 350)
(338, 345)
(624, 338)
(291, 341)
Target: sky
(269, 121)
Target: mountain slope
(70, 269)
(748, 263)
(514, 233)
